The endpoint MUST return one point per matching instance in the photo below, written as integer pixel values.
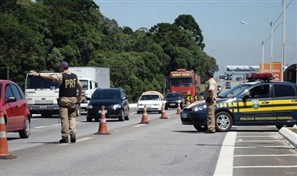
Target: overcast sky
(226, 39)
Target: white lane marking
(252, 167)
(39, 127)
(79, 140)
(280, 146)
(265, 155)
(225, 161)
(258, 136)
(83, 139)
(241, 140)
(139, 125)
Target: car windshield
(150, 97)
(172, 96)
(230, 93)
(106, 94)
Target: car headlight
(199, 108)
(90, 106)
(179, 101)
(116, 106)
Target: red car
(14, 108)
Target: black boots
(65, 139)
(72, 138)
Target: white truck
(42, 94)
(91, 79)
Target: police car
(252, 103)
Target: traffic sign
(196, 97)
(188, 97)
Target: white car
(153, 101)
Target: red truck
(186, 82)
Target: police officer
(210, 95)
(68, 98)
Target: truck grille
(44, 102)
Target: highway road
(162, 147)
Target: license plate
(43, 107)
(172, 104)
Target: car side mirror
(10, 99)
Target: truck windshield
(36, 82)
(84, 84)
(178, 82)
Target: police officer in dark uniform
(68, 98)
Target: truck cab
(88, 86)
(42, 95)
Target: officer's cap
(209, 72)
(64, 64)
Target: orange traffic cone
(178, 109)
(144, 119)
(102, 124)
(4, 154)
(163, 115)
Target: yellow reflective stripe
(250, 109)
(280, 102)
(273, 105)
(285, 108)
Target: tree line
(38, 35)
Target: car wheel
(122, 117)
(223, 122)
(200, 128)
(25, 132)
(127, 117)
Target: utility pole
(283, 40)
(271, 45)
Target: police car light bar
(259, 76)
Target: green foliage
(38, 35)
